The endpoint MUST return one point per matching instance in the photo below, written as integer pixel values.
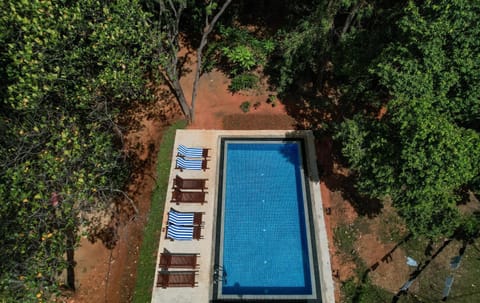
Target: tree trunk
(187, 111)
(170, 72)
(71, 259)
(350, 17)
(206, 31)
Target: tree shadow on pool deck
(312, 172)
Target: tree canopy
(407, 114)
(426, 148)
(67, 70)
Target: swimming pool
(263, 246)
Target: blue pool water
(265, 246)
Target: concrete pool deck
(202, 293)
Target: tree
(436, 54)
(169, 46)
(423, 150)
(418, 158)
(66, 71)
(307, 48)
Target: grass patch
(434, 259)
(392, 227)
(362, 224)
(148, 253)
(416, 247)
(430, 283)
(364, 292)
(345, 237)
(465, 286)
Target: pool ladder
(219, 274)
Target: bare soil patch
(106, 264)
(257, 121)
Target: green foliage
(369, 154)
(245, 106)
(469, 227)
(364, 292)
(416, 156)
(308, 42)
(148, 253)
(422, 152)
(241, 57)
(300, 51)
(436, 55)
(242, 51)
(66, 72)
(244, 81)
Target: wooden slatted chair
(179, 196)
(189, 184)
(178, 260)
(176, 279)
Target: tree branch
(206, 31)
(350, 18)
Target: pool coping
(211, 139)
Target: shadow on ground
(322, 112)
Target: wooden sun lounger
(178, 260)
(181, 183)
(179, 196)
(197, 232)
(176, 279)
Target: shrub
(245, 106)
(242, 51)
(241, 58)
(272, 100)
(243, 82)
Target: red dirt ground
(105, 275)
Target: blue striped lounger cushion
(179, 232)
(178, 218)
(190, 152)
(189, 164)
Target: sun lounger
(192, 152)
(178, 260)
(176, 232)
(184, 218)
(176, 279)
(197, 164)
(179, 196)
(190, 184)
